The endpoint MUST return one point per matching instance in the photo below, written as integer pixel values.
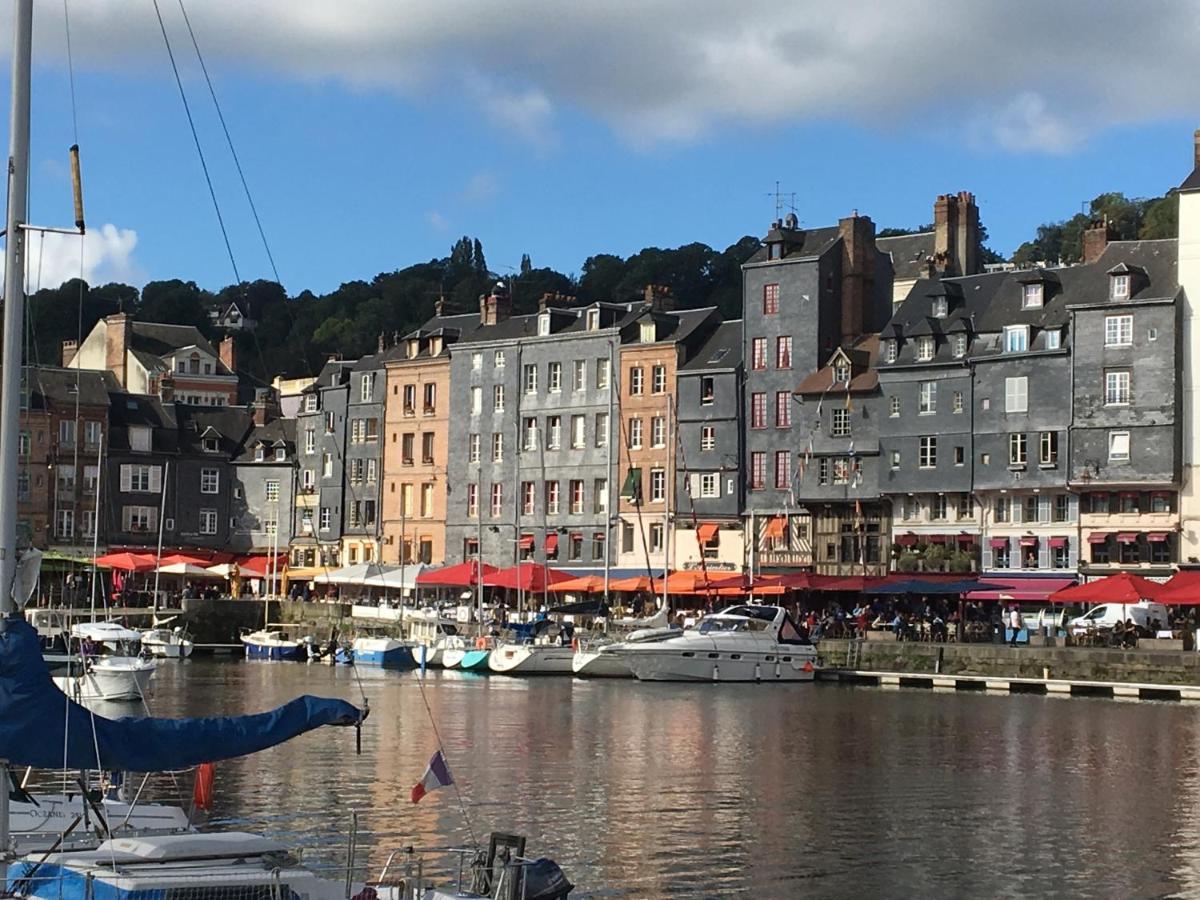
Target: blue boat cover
(40, 726)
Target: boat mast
(14, 308)
(162, 511)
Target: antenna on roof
(783, 201)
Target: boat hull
(287, 652)
(475, 661)
(121, 679)
(452, 657)
(531, 659)
(168, 649)
(597, 664)
(688, 665)
(383, 652)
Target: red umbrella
(1124, 587)
(260, 565)
(462, 575)
(127, 562)
(531, 577)
(1182, 590)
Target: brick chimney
(265, 408)
(228, 352)
(956, 234)
(1096, 238)
(495, 307)
(659, 297)
(118, 332)
(381, 345)
(968, 234)
(858, 274)
(166, 388)
(69, 349)
(1196, 147)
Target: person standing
(1015, 624)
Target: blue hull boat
(475, 661)
(388, 653)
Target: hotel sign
(785, 558)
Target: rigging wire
(71, 71)
(196, 139)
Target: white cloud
(436, 220)
(107, 256)
(1024, 74)
(480, 187)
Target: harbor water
(658, 790)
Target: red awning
(525, 542)
(936, 538)
(775, 527)
(1029, 541)
(552, 542)
(906, 540)
(998, 542)
(964, 538)
(706, 531)
(1158, 537)
(1021, 590)
(1097, 537)
(1127, 537)
(1057, 543)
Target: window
(210, 445)
(310, 403)
(579, 375)
(529, 435)
(498, 398)
(602, 429)
(783, 409)
(1000, 510)
(593, 320)
(924, 348)
(966, 507)
(842, 470)
(600, 495)
(366, 387)
(636, 379)
(66, 432)
(598, 541)
(139, 518)
(635, 433)
(770, 299)
(890, 349)
(576, 495)
(330, 422)
(656, 537)
(210, 481)
(552, 498)
(658, 485)
(89, 522)
(839, 422)
(208, 521)
(783, 352)
(895, 459)
(139, 438)
(472, 500)
(1016, 394)
(783, 470)
(927, 455)
(893, 406)
(758, 470)
(497, 500)
(758, 410)
(960, 345)
(1152, 334)
(476, 401)
(1062, 508)
(1130, 554)
(64, 523)
(1048, 448)
(1053, 339)
(553, 432)
(602, 374)
(1016, 450)
(648, 332)
(498, 359)
(708, 390)
(928, 398)
(1130, 502)
(1160, 503)
(708, 438)
(528, 498)
(544, 324)
(430, 397)
(326, 465)
(530, 379)
(960, 456)
(23, 444)
(937, 507)
(758, 353)
(427, 447)
(1118, 446)
(1118, 331)
(658, 432)
(472, 448)
(309, 480)
(141, 479)
(1032, 296)
(497, 446)
(1016, 338)
(578, 432)
(554, 377)
(841, 374)
(658, 380)
(941, 307)
(1120, 287)
(476, 361)
(1160, 551)
(372, 471)
(356, 471)
(1116, 388)
(710, 485)
(410, 399)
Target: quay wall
(1157, 666)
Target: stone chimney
(381, 344)
(118, 332)
(1096, 238)
(1196, 147)
(956, 234)
(228, 353)
(495, 307)
(659, 298)
(265, 408)
(439, 306)
(858, 274)
(166, 388)
(69, 349)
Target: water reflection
(645, 790)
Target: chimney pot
(69, 349)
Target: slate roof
(708, 357)
(232, 424)
(339, 367)
(967, 299)
(909, 252)
(271, 433)
(159, 338)
(126, 410)
(800, 243)
(1191, 183)
(58, 386)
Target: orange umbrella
(585, 584)
(636, 583)
(688, 582)
(128, 562)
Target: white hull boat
(38, 825)
(166, 644)
(452, 656)
(532, 659)
(600, 662)
(741, 643)
(120, 678)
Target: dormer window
(544, 324)
(414, 347)
(1016, 338)
(1053, 339)
(775, 250)
(889, 351)
(280, 454)
(211, 445)
(310, 403)
(925, 348)
(648, 333)
(841, 373)
(435, 346)
(960, 345)
(1033, 296)
(941, 307)
(593, 320)
(1120, 286)
(260, 453)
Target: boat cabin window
(790, 634)
(713, 624)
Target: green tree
(175, 302)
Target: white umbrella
(221, 570)
(354, 574)
(182, 568)
(397, 578)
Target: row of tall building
(883, 403)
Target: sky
(373, 133)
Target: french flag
(436, 776)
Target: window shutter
(126, 484)
(987, 556)
(155, 479)
(153, 518)
(1044, 508)
(124, 512)
(1073, 510)
(695, 485)
(1016, 510)
(1043, 554)
(1072, 554)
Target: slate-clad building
(361, 518)
(264, 473)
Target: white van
(1108, 615)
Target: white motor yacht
(740, 643)
(115, 671)
(167, 643)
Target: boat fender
(480, 643)
(716, 672)
(757, 673)
(575, 645)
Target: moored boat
(452, 657)
(531, 659)
(272, 644)
(475, 660)
(601, 661)
(113, 667)
(167, 643)
(387, 652)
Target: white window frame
(708, 438)
(1018, 449)
(927, 398)
(1118, 331)
(960, 345)
(658, 485)
(210, 481)
(1118, 388)
(927, 452)
(658, 380)
(658, 432)
(1120, 286)
(529, 379)
(1119, 446)
(891, 350)
(1016, 338)
(1033, 295)
(554, 377)
(893, 406)
(710, 485)
(1053, 338)
(925, 348)
(1016, 394)
(208, 521)
(579, 375)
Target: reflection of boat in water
(740, 643)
